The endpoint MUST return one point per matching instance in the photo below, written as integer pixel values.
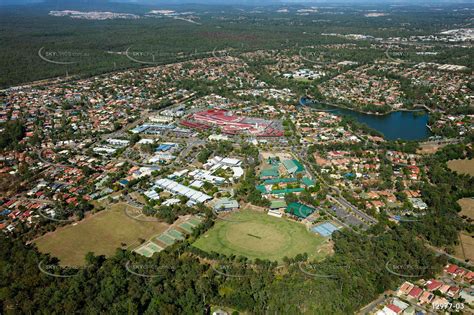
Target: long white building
(178, 189)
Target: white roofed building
(178, 189)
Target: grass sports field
(101, 233)
(259, 235)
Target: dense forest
(181, 283)
(13, 131)
(93, 47)
(442, 223)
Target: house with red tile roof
(460, 272)
(415, 292)
(453, 291)
(469, 276)
(14, 214)
(392, 309)
(444, 288)
(405, 288)
(9, 203)
(451, 269)
(71, 200)
(426, 297)
(26, 214)
(377, 204)
(433, 285)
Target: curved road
(42, 159)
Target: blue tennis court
(325, 229)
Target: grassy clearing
(261, 236)
(102, 234)
(465, 249)
(465, 166)
(467, 207)
(429, 148)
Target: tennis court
(154, 247)
(187, 227)
(148, 249)
(165, 239)
(144, 251)
(168, 238)
(175, 234)
(194, 221)
(325, 229)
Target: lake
(395, 125)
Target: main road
(302, 155)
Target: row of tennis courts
(168, 238)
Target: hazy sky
(256, 2)
(243, 2)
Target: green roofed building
(269, 173)
(300, 210)
(274, 181)
(286, 191)
(299, 166)
(290, 166)
(264, 191)
(293, 166)
(280, 181)
(261, 188)
(307, 181)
